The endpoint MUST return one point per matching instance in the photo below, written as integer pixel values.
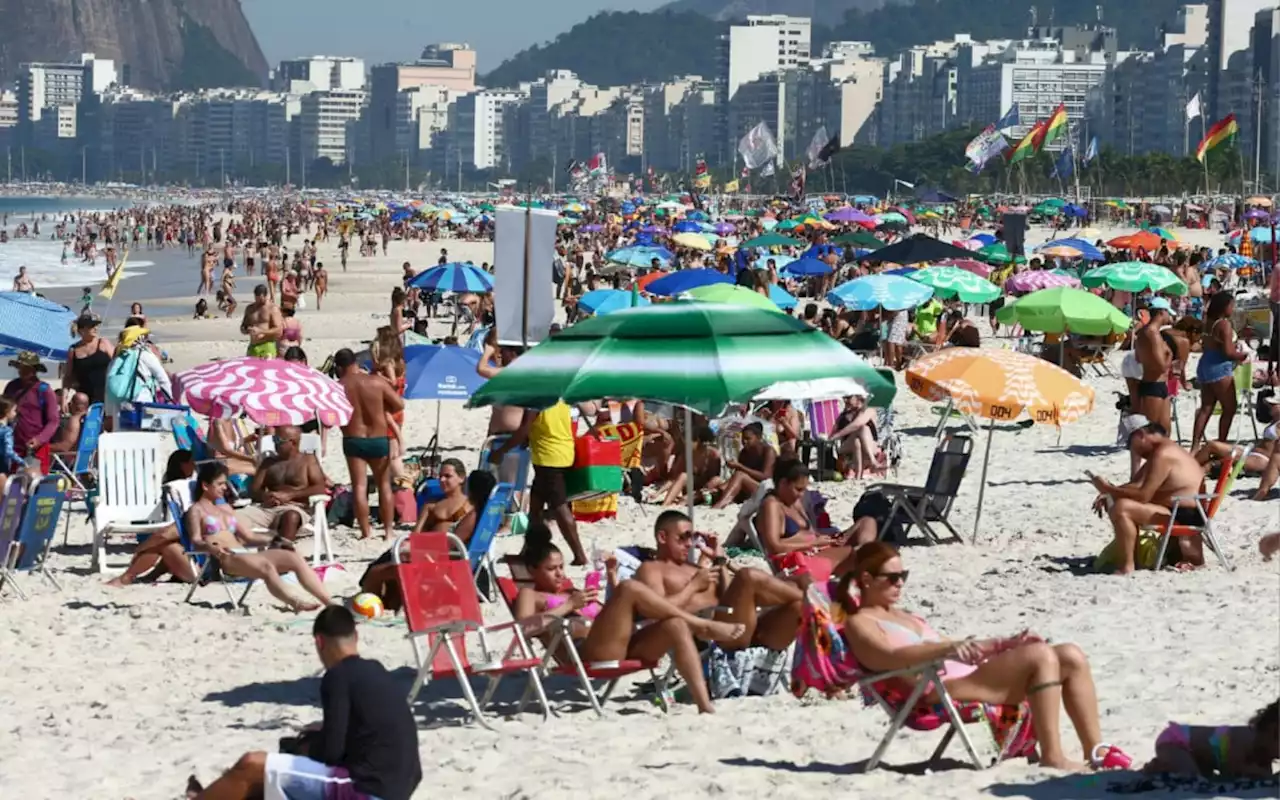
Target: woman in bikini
(442, 515)
(784, 524)
(213, 528)
(608, 633)
(883, 637)
(162, 552)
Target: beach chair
(924, 506)
(441, 610)
(178, 499)
(822, 416)
(479, 549)
(29, 549)
(11, 506)
(186, 435)
(80, 471)
(514, 469)
(130, 499)
(1207, 505)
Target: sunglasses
(687, 536)
(895, 577)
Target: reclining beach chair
(80, 471)
(1207, 505)
(821, 416)
(441, 610)
(12, 505)
(824, 662)
(130, 497)
(924, 506)
(514, 469)
(29, 549)
(178, 499)
(480, 547)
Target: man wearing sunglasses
(691, 572)
(283, 486)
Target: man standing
(366, 747)
(1155, 357)
(1169, 472)
(263, 323)
(38, 410)
(365, 440)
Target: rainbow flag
(1030, 143)
(1223, 130)
(1056, 126)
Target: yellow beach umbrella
(692, 241)
(999, 385)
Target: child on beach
(86, 301)
(10, 463)
(1227, 751)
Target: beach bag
(874, 504)
(800, 563)
(1145, 551)
(122, 376)
(750, 672)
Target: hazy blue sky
(392, 30)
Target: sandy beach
(123, 693)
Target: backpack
(557, 270)
(122, 376)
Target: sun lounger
(130, 497)
(442, 610)
(1231, 469)
(480, 547)
(925, 506)
(29, 549)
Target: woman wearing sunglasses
(883, 637)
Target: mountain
(166, 44)
(612, 49)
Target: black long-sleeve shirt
(369, 730)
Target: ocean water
(43, 257)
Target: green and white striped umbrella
(948, 282)
(1135, 276)
(700, 355)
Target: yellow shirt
(551, 437)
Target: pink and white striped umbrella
(1035, 280)
(969, 265)
(269, 391)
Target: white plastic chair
(130, 496)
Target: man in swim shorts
(263, 323)
(366, 439)
(283, 486)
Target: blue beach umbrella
(1228, 261)
(453, 278)
(685, 226)
(1087, 250)
(781, 297)
(807, 267)
(32, 323)
(890, 292)
(606, 301)
(686, 279)
(1261, 234)
(899, 271)
(440, 372)
(639, 256)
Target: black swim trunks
(1188, 516)
(549, 486)
(1158, 389)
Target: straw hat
(29, 359)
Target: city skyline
(297, 28)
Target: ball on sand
(368, 605)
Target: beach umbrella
(788, 225)
(1082, 248)
(948, 282)
(891, 218)
(730, 294)
(968, 264)
(1062, 251)
(686, 279)
(702, 356)
(639, 256)
(723, 228)
(849, 214)
(453, 278)
(1144, 239)
(1261, 234)
(1060, 309)
(999, 385)
(771, 240)
(807, 267)
(890, 292)
(820, 389)
(983, 239)
(28, 322)
(901, 271)
(1228, 261)
(918, 249)
(861, 239)
(269, 391)
(1135, 276)
(1163, 233)
(693, 241)
(1034, 281)
(1256, 213)
(607, 301)
(685, 226)
(998, 253)
(441, 372)
(781, 297)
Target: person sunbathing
(222, 444)
(1256, 464)
(753, 465)
(214, 529)
(1169, 472)
(1002, 671)
(612, 634)
(1223, 751)
(738, 595)
(785, 524)
(162, 552)
(1270, 472)
(856, 433)
(443, 514)
(480, 484)
(283, 486)
(706, 469)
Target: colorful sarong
(631, 435)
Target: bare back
(372, 398)
(1180, 474)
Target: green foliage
(620, 48)
(206, 63)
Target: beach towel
(750, 672)
(825, 663)
(631, 435)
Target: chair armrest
(1179, 497)
(904, 672)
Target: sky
(393, 30)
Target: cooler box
(597, 468)
(150, 416)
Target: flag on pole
(1056, 126)
(1063, 168)
(597, 165)
(1010, 119)
(113, 280)
(1193, 107)
(1029, 145)
(1091, 152)
(985, 146)
(731, 186)
(758, 147)
(829, 149)
(1222, 131)
(815, 147)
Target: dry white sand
(123, 693)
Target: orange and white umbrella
(999, 385)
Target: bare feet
(304, 606)
(724, 632)
(117, 583)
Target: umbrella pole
(982, 487)
(437, 436)
(688, 460)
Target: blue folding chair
(514, 469)
(479, 549)
(83, 466)
(29, 552)
(178, 498)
